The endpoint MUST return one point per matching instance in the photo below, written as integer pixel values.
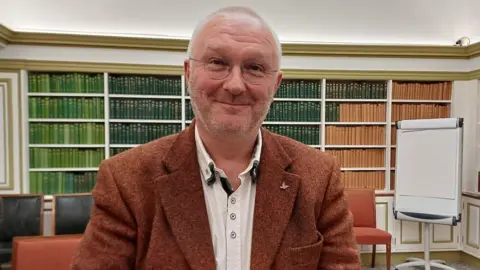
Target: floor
(456, 265)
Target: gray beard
(219, 130)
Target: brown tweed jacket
(150, 213)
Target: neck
(225, 148)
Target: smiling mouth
(233, 104)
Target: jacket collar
(208, 166)
(182, 200)
(185, 145)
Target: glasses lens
(216, 71)
(220, 72)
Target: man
(224, 193)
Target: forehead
(238, 36)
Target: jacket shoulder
(132, 171)
(141, 155)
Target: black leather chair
(71, 213)
(20, 215)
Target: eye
(216, 64)
(254, 69)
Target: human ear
(278, 81)
(187, 70)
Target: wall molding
(475, 74)
(9, 36)
(7, 107)
(65, 66)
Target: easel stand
(425, 262)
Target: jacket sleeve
(335, 223)
(109, 239)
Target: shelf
(66, 120)
(52, 94)
(123, 145)
(67, 145)
(63, 169)
(298, 99)
(135, 145)
(289, 99)
(356, 123)
(291, 123)
(356, 100)
(144, 96)
(420, 101)
(355, 146)
(144, 121)
(364, 169)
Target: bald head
(237, 14)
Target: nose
(234, 82)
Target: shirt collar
(205, 161)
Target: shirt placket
(233, 232)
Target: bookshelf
(355, 127)
(142, 108)
(66, 131)
(78, 119)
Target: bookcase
(66, 131)
(78, 119)
(142, 108)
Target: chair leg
(374, 251)
(389, 254)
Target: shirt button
(233, 200)
(233, 216)
(233, 235)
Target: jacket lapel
(182, 197)
(275, 198)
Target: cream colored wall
(464, 104)
(407, 235)
(396, 22)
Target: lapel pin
(283, 186)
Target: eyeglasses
(252, 72)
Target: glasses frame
(269, 72)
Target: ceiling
(438, 22)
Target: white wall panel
(12, 158)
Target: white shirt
(230, 217)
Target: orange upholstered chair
(44, 252)
(362, 206)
